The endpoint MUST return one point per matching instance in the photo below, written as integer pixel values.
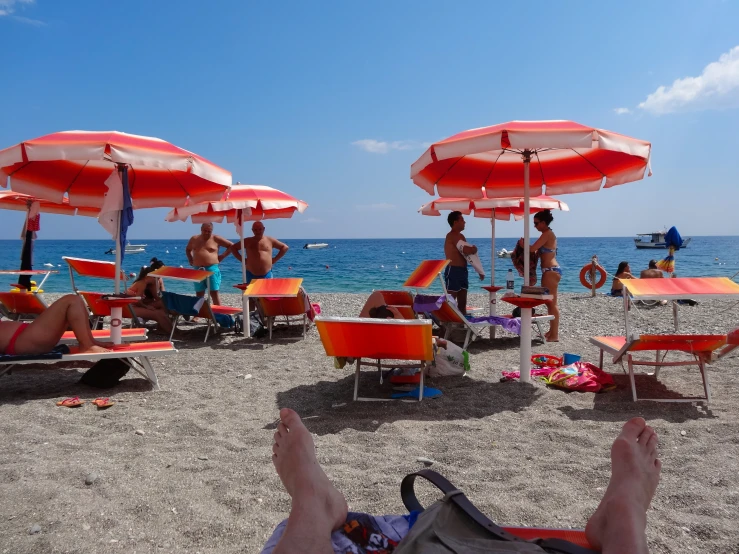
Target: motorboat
(130, 249)
(503, 253)
(315, 245)
(129, 245)
(655, 240)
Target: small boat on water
(315, 246)
(655, 240)
(129, 245)
(130, 249)
(503, 253)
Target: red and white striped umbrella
(255, 202)
(502, 208)
(525, 158)
(76, 164)
(241, 203)
(10, 200)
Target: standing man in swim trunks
(202, 253)
(259, 248)
(456, 276)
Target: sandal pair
(75, 402)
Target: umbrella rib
(180, 184)
(76, 176)
(587, 160)
(21, 167)
(541, 168)
(485, 182)
(436, 183)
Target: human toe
(633, 428)
(289, 418)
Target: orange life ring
(585, 274)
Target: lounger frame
(138, 360)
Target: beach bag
(256, 326)
(449, 361)
(453, 525)
(105, 374)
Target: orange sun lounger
(207, 310)
(378, 339)
(280, 297)
(96, 269)
(399, 301)
(22, 305)
(136, 355)
(703, 348)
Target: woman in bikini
(623, 272)
(150, 307)
(44, 333)
(546, 248)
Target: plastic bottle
(509, 281)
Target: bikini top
(544, 250)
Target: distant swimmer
(326, 267)
(290, 267)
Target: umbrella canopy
(77, 164)
(525, 158)
(502, 208)
(241, 203)
(113, 171)
(255, 202)
(10, 200)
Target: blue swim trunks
(214, 281)
(250, 276)
(456, 278)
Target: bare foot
(314, 497)
(95, 349)
(619, 523)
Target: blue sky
(333, 101)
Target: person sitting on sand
(259, 260)
(652, 272)
(150, 307)
(623, 272)
(44, 333)
(318, 509)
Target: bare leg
(619, 524)
(462, 301)
(160, 316)
(215, 298)
(318, 508)
(46, 330)
(550, 280)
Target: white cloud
(375, 207)
(383, 147)
(622, 111)
(7, 7)
(715, 88)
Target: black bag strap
(455, 495)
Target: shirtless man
(318, 508)
(202, 252)
(652, 272)
(44, 333)
(259, 260)
(456, 276)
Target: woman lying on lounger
(45, 332)
(150, 307)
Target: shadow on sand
(327, 406)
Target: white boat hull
(657, 245)
(315, 246)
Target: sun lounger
(703, 348)
(96, 269)
(207, 311)
(378, 340)
(21, 305)
(127, 335)
(399, 301)
(135, 355)
(277, 298)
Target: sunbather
(150, 307)
(623, 272)
(318, 508)
(43, 334)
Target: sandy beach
(188, 468)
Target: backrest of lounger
(274, 288)
(397, 297)
(93, 268)
(181, 273)
(423, 276)
(376, 338)
(97, 307)
(448, 314)
(22, 303)
(401, 300)
(273, 307)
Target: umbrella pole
(244, 298)
(493, 295)
(116, 312)
(525, 361)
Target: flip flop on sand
(71, 402)
(103, 403)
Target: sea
(363, 265)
